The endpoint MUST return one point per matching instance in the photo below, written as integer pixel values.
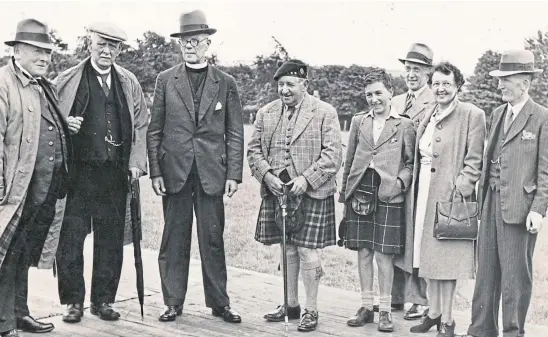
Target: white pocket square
(528, 135)
(219, 106)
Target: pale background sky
(318, 32)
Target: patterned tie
(290, 111)
(409, 102)
(509, 119)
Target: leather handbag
(456, 219)
(364, 202)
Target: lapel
(389, 130)
(366, 129)
(520, 121)
(421, 102)
(185, 91)
(271, 119)
(210, 92)
(496, 128)
(126, 89)
(306, 112)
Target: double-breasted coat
(457, 152)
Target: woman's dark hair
(447, 68)
(378, 75)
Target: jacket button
(31, 109)
(438, 139)
(50, 143)
(439, 127)
(21, 170)
(375, 152)
(436, 155)
(28, 140)
(432, 170)
(50, 128)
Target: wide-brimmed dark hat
(419, 53)
(516, 62)
(33, 32)
(192, 23)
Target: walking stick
(284, 251)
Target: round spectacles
(446, 85)
(193, 41)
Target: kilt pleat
(382, 230)
(318, 230)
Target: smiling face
(103, 51)
(513, 87)
(33, 59)
(378, 97)
(194, 48)
(292, 89)
(416, 75)
(444, 87)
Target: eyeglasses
(193, 41)
(445, 85)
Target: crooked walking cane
(283, 205)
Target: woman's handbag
(456, 220)
(364, 202)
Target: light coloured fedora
(192, 23)
(516, 61)
(419, 53)
(33, 32)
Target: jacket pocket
(530, 188)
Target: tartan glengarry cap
(296, 68)
(33, 32)
(108, 30)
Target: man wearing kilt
(297, 141)
(377, 172)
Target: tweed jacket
(315, 148)
(523, 161)
(422, 104)
(393, 156)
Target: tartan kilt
(318, 230)
(383, 230)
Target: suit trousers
(505, 267)
(174, 255)
(97, 198)
(408, 288)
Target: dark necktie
(290, 111)
(409, 102)
(104, 84)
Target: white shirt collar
(417, 93)
(24, 71)
(196, 65)
(516, 109)
(99, 70)
(393, 113)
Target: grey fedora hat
(192, 23)
(33, 32)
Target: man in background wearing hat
(107, 105)
(408, 287)
(297, 141)
(33, 173)
(513, 196)
(195, 151)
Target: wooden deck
(252, 294)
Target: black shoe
(11, 333)
(447, 330)
(362, 317)
(227, 314)
(170, 313)
(29, 324)
(395, 307)
(385, 322)
(278, 315)
(104, 311)
(426, 324)
(74, 313)
(416, 311)
(309, 321)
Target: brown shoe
(362, 317)
(385, 322)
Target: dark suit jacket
(524, 162)
(175, 140)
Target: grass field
(339, 264)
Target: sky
(371, 33)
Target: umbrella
(136, 236)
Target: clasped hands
(275, 184)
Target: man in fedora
(33, 173)
(418, 99)
(513, 197)
(297, 142)
(107, 105)
(195, 152)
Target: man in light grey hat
(418, 99)
(513, 197)
(107, 108)
(195, 150)
(33, 171)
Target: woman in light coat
(448, 155)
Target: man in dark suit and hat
(195, 152)
(107, 106)
(33, 171)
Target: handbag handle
(463, 200)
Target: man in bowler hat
(195, 152)
(107, 105)
(33, 173)
(513, 197)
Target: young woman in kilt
(377, 172)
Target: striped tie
(409, 102)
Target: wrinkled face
(194, 47)
(33, 59)
(291, 89)
(378, 97)
(513, 87)
(103, 51)
(416, 75)
(444, 87)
